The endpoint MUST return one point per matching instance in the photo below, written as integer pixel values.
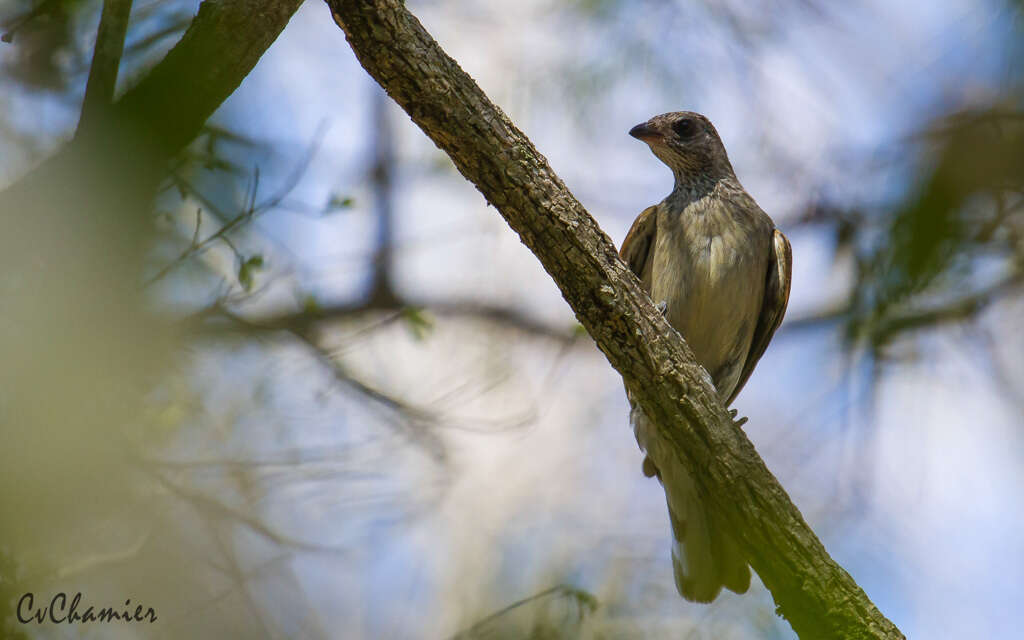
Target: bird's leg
(739, 423)
(662, 307)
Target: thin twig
(251, 210)
(212, 505)
(561, 589)
(501, 316)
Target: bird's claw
(739, 423)
(662, 307)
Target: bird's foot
(649, 469)
(739, 423)
(662, 307)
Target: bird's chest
(710, 269)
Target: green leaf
(338, 202)
(419, 323)
(246, 270)
(310, 304)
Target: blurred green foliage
(919, 266)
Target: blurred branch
(106, 58)
(586, 602)
(206, 504)
(958, 310)
(176, 26)
(159, 116)
(412, 421)
(93, 561)
(239, 577)
(813, 592)
(197, 246)
(816, 320)
(251, 208)
(416, 423)
(961, 309)
(382, 180)
(15, 24)
(302, 321)
(286, 459)
(221, 46)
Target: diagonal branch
(221, 46)
(814, 593)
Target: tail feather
(704, 559)
(733, 567)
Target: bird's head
(688, 143)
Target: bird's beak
(645, 132)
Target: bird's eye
(684, 127)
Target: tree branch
(106, 58)
(219, 49)
(501, 316)
(897, 323)
(166, 110)
(814, 593)
(94, 195)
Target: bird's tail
(704, 559)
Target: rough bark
(812, 592)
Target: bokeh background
(318, 389)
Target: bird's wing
(776, 297)
(638, 247)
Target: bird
(720, 272)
